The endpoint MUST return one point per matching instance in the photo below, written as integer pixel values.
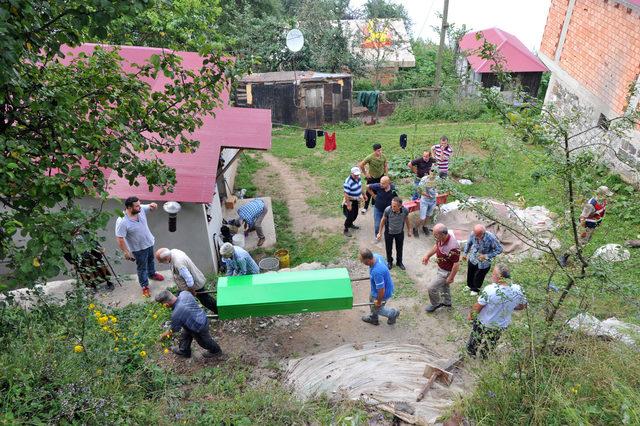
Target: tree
(65, 122)
(572, 147)
(384, 9)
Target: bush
(445, 111)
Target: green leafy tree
(66, 123)
(385, 9)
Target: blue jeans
(382, 310)
(377, 217)
(415, 195)
(145, 265)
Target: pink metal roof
(195, 172)
(516, 56)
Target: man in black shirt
(421, 166)
(383, 193)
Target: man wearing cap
(252, 214)
(187, 276)
(591, 217)
(352, 194)
(189, 317)
(375, 166)
(238, 261)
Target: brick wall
(553, 28)
(601, 49)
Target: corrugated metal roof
(290, 76)
(195, 172)
(516, 56)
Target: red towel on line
(329, 141)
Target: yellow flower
(155, 316)
(97, 313)
(98, 371)
(116, 349)
(103, 320)
(143, 354)
(105, 328)
(36, 262)
(124, 339)
(78, 348)
(113, 319)
(92, 306)
(166, 351)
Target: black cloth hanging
(310, 138)
(320, 133)
(403, 141)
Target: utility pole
(443, 32)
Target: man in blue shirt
(381, 288)
(238, 261)
(481, 247)
(136, 241)
(188, 316)
(252, 214)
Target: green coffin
(283, 293)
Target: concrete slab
(268, 224)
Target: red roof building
(512, 55)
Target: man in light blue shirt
(252, 214)
(381, 288)
(237, 260)
(136, 241)
(492, 313)
(481, 247)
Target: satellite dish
(295, 40)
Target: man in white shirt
(492, 313)
(187, 276)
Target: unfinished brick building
(592, 48)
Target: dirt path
(290, 184)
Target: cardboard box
(230, 202)
(284, 293)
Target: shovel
(440, 374)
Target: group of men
(137, 243)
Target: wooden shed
(306, 98)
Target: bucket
(238, 239)
(269, 264)
(283, 257)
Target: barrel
(283, 257)
(269, 264)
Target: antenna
(295, 40)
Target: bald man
(187, 276)
(481, 247)
(447, 252)
(383, 193)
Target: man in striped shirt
(352, 189)
(442, 152)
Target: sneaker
(261, 241)
(425, 230)
(431, 308)
(370, 320)
(415, 232)
(146, 292)
(363, 210)
(389, 265)
(346, 233)
(393, 319)
(473, 293)
(354, 226)
(157, 277)
(209, 354)
(181, 353)
(401, 266)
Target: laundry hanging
(369, 99)
(329, 141)
(403, 141)
(320, 133)
(310, 138)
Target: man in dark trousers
(352, 193)
(188, 316)
(421, 166)
(481, 247)
(375, 166)
(394, 222)
(384, 193)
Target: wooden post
(443, 31)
